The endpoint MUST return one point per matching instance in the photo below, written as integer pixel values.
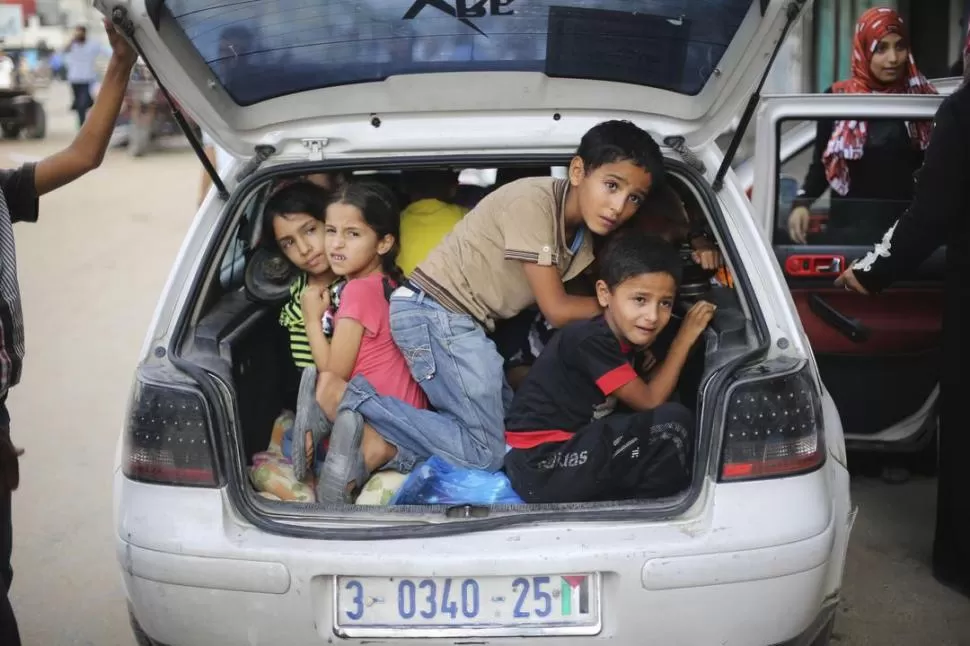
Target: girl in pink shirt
(361, 232)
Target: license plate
(461, 606)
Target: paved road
(91, 270)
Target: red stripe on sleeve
(616, 378)
(532, 439)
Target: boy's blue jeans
(460, 371)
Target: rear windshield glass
(267, 48)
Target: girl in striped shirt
(294, 223)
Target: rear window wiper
(120, 19)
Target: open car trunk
(260, 74)
(234, 340)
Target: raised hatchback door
(247, 71)
(878, 355)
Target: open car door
(878, 355)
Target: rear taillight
(168, 440)
(773, 427)
(748, 191)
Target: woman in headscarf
(868, 165)
(940, 214)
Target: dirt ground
(91, 271)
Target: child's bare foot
(376, 450)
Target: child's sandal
(311, 421)
(345, 463)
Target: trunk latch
(467, 511)
(315, 148)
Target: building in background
(817, 51)
(824, 40)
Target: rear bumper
(819, 632)
(178, 615)
(195, 575)
(811, 637)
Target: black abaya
(940, 214)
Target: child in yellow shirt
(430, 216)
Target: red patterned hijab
(849, 137)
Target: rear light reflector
(168, 440)
(773, 427)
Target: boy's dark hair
(615, 141)
(430, 184)
(633, 253)
(379, 207)
(300, 196)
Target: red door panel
(900, 321)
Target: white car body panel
(779, 546)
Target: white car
(751, 554)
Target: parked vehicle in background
(20, 112)
(146, 116)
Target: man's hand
(850, 282)
(86, 152)
(121, 49)
(709, 259)
(706, 254)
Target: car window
(261, 50)
(850, 186)
(232, 267)
(487, 177)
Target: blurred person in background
(81, 58)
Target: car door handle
(851, 328)
(809, 265)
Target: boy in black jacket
(568, 444)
